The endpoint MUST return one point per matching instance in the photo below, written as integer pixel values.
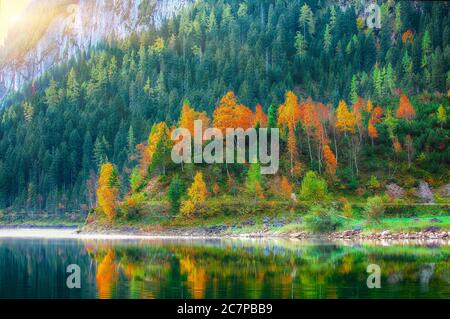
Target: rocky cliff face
(55, 30)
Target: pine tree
(306, 18)
(398, 17)
(378, 81)
(407, 64)
(327, 38)
(175, 192)
(390, 78)
(272, 117)
(101, 147)
(354, 90)
(52, 95)
(73, 88)
(28, 111)
(300, 44)
(131, 141)
(254, 181)
(426, 49)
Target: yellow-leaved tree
(288, 115)
(157, 152)
(108, 190)
(345, 120)
(197, 195)
(346, 123)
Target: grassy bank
(41, 219)
(243, 215)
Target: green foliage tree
(101, 105)
(176, 191)
(313, 188)
(321, 219)
(374, 208)
(306, 19)
(272, 117)
(327, 38)
(354, 90)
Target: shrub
(313, 188)
(374, 208)
(176, 190)
(347, 210)
(347, 178)
(254, 181)
(133, 206)
(373, 183)
(137, 180)
(322, 219)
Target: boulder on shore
(394, 191)
(424, 192)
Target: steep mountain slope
(55, 134)
(56, 29)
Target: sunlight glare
(10, 15)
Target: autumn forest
(362, 114)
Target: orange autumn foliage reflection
(107, 275)
(196, 276)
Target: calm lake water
(162, 268)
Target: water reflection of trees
(266, 270)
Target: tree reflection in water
(221, 269)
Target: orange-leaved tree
(357, 112)
(230, 114)
(407, 36)
(108, 190)
(285, 188)
(375, 118)
(189, 115)
(405, 109)
(260, 119)
(372, 130)
(330, 160)
(312, 123)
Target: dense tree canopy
(56, 133)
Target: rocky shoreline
(221, 232)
